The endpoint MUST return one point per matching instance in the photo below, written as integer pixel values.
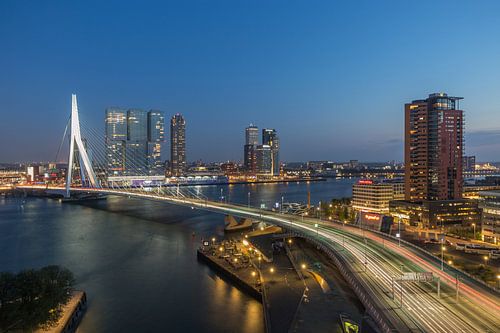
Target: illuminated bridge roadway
(373, 260)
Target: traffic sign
(417, 276)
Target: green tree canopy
(33, 298)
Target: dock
(234, 263)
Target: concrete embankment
(72, 314)
(242, 278)
(235, 260)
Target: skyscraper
(270, 138)
(115, 139)
(137, 129)
(133, 141)
(156, 126)
(264, 159)
(156, 135)
(433, 148)
(252, 135)
(177, 145)
(136, 145)
(249, 150)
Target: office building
(353, 164)
(136, 145)
(177, 145)
(249, 149)
(489, 202)
(156, 126)
(133, 142)
(115, 140)
(156, 136)
(250, 158)
(433, 166)
(137, 126)
(264, 159)
(33, 173)
(469, 163)
(270, 138)
(436, 214)
(374, 196)
(433, 148)
(116, 124)
(252, 135)
(136, 162)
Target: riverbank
(245, 277)
(246, 182)
(72, 314)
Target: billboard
(376, 221)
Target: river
(137, 259)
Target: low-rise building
(489, 202)
(374, 196)
(437, 213)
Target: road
(376, 261)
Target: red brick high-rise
(433, 148)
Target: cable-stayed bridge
(372, 263)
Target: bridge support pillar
(76, 139)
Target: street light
(303, 266)
(248, 199)
(271, 269)
(317, 231)
(474, 235)
(485, 260)
(442, 256)
(304, 213)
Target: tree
(33, 298)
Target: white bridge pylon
(76, 138)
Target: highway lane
(482, 318)
(425, 294)
(422, 311)
(427, 312)
(475, 302)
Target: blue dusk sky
(331, 76)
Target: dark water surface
(137, 259)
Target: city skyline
(332, 77)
